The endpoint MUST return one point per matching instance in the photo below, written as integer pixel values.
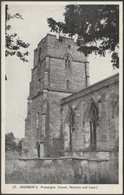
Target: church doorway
(40, 149)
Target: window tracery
(91, 117)
(67, 61)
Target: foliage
(25, 150)
(96, 28)
(19, 146)
(40, 173)
(20, 149)
(10, 143)
(13, 43)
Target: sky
(32, 29)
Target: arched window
(91, 118)
(39, 80)
(68, 84)
(93, 134)
(69, 127)
(115, 112)
(37, 121)
(39, 54)
(67, 61)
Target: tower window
(39, 54)
(67, 61)
(67, 83)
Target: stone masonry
(59, 70)
(67, 117)
(90, 126)
(95, 112)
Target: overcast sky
(32, 29)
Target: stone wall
(59, 75)
(104, 95)
(58, 48)
(64, 170)
(34, 123)
(54, 122)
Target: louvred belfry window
(67, 61)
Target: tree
(25, 150)
(13, 43)
(10, 144)
(19, 146)
(96, 28)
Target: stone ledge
(63, 158)
(50, 89)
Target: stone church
(66, 115)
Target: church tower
(59, 70)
